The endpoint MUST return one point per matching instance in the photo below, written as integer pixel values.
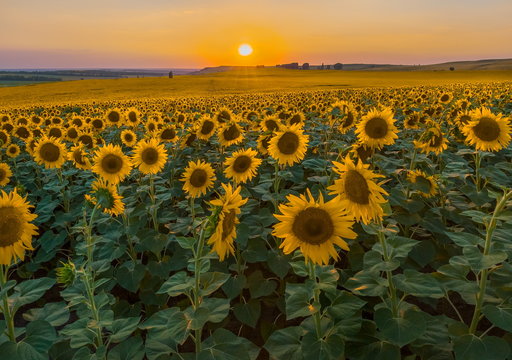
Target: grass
(232, 82)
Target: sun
(245, 49)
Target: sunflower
(486, 131)
(242, 165)
(271, 124)
(345, 112)
(132, 117)
(412, 121)
(86, 138)
(129, 138)
(296, 118)
(224, 115)
(206, 128)
(55, 132)
(50, 152)
(114, 117)
(16, 231)
(97, 124)
(168, 134)
(427, 186)
(361, 151)
(462, 118)
(5, 138)
(263, 142)
(230, 134)
(79, 157)
(289, 145)
(111, 163)
(5, 174)
(198, 178)
(357, 191)
(225, 231)
(432, 140)
(150, 156)
(22, 132)
(376, 129)
(445, 97)
(314, 226)
(13, 151)
(72, 133)
(105, 196)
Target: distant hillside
(490, 64)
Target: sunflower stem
(152, 196)
(389, 275)
(316, 300)
(65, 198)
(478, 160)
(198, 262)
(490, 227)
(8, 316)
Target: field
(266, 214)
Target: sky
(199, 33)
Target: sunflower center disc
(86, 140)
(112, 164)
(55, 132)
(3, 138)
(190, 139)
(348, 120)
(49, 152)
(198, 178)
(295, 119)
(356, 187)
(77, 156)
(128, 137)
(113, 116)
(98, 124)
(436, 141)
(207, 127)
(23, 132)
(3, 175)
(445, 97)
(271, 125)
(288, 143)
(242, 163)
(228, 223)
(149, 156)
(10, 226)
(224, 116)
(132, 116)
(487, 129)
(72, 133)
(313, 226)
(168, 134)
(376, 128)
(231, 133)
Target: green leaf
(285, 343)
(331, 347)
(401, 330)
(40, 335)
(132, 349)
(122, 328)
(56, 314)
(196, 318)
(179, 283)
(463, 239)
(367, 283)
(345, 305)
(381, 350)
(260, 286)
(130, 274)
(248, 313)
(499, 316)
(211, 282)
(224, 345)
(20, 351)
(218, 308)
(170, 323)
(479, 261)
(471, 347)
(234, 286)
(418, 284)
(30, 290)
(297, 298)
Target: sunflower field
(343, 224)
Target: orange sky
(197, 33)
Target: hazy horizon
(200, 33)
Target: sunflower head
(230, 133)
(79, 157)
(128, 137)
(357, 190)
(432, 140)
(150, 156)
(114, 117)
(198, 178)
(206, 127)
(426, 185)
(16, 231)
(289, 145)
(486, 131)
(168, 134)
(242, 165)
(111, 164)
(5, 174)
(13, 150)
(314, 226)
(50, 152)
(105, 196)
(377, 128)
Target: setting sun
(245, 49)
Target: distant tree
(338, 66)
(322, 67)
(452, 68)
(305, 66)
(170, 75)
(328, 67)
